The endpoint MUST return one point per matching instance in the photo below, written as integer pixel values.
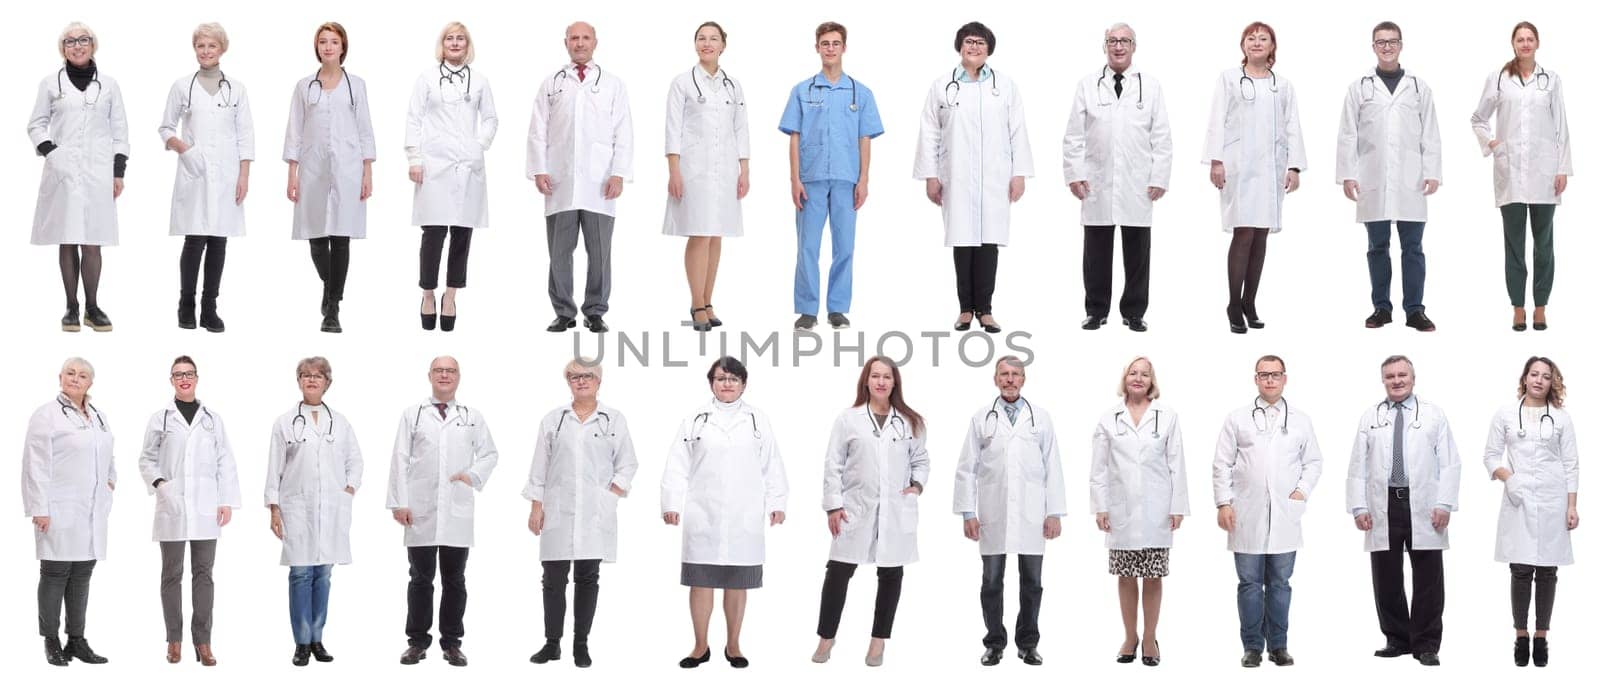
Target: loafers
(1419, 321)
(1030, 656)
(1391, 651)
(691, 662)
(550, 651)
(561, 324)
(1252, 658)
(413, 655)
(1380, 318)
(991, 656)
(455, 657)
(1280, 657)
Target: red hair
(1272, 55)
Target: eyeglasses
(1269, 375)
(1122, 41)
(312, 376)
(971, 42)
(1386, 43)
(77, 41)
(184, 375)
(585, 377)
(446, 371)
(725, 380)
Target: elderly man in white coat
(1117, 158)
(443, 451)
(1011, 496)
(188, 464)
(68, 474)
(1405, 476)
(582, 465)
(580, 151)
(1266, 464)
(1389, 163)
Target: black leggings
(1524, 580)
(1246, 256)
(433, 247)
(87, 265)
(586, 597)
(331, 255)
(215, 252)
(975, 269)
(836, 583)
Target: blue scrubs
(830, 164)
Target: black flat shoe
(413, 655)
(1136, 324)
(1428, 658)
(1127, 657)
(691, 662)
(580, 655)
(1236, 323)
(595, 324)
(715, 322)
(79, 649)
(991, 656)
(738, 662)
(1280, 657)
(1379, 318)
(1030, 656)
(447, 322)
(1541, 652)
(561, 324)
(1519, 327)
(429, 320)
(550, 651)
(1519, 652)
(1152, 661)
(302, 655)
(1093, 323)
(98, 321)
(320, 653)
(1419, 321)
(1540, 325)
(1390, 651)
(70, 322)
(964, 325)
(53, 653)
(1252, 658)
(455, 657)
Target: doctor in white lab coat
(1256, 154)
(1011, 496)
(973, 153)
(582, 466)
(68, 474)
(313, 470)
(1403, 483)
(724, 483)
(188, 464)
(79, 126)
(215, 148)
(1532, 150)
(1139, 494)
(872, 479)
(443, 455)
(1117, 159)
(580, 151)
(330, 149)
(1266, 464)
(1533, 450)
(1388, 162)
(449, 127)
(708, 166)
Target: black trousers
(63, 582)
(452, 564)
(1419, 627)
(992, 596)
(433, 247)
(586, 575)
(1098, 252)
(214, 251)
(975, 270)
(836, 583)
(1524, 580)
(331, 256)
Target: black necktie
(1116, 81)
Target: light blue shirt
(830, 131)
(984, 74)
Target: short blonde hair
(94, 41)
(1154, 392)
(210, 30)
(581, 366)
(78, 361)
(315, 364)
(438, 46)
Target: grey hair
(211, 30)
(582, 365)
(94, 41)
(315, 364)
(1011, 360)
(80, 362)
(1397, 358)
(1121, 25)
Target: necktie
(580, 72)
(1116, 84)
(1011, 412)
(1397, 470)
(441, 406)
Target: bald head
(444, 373)
(581, 42)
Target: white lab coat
(1544, 469)
(308, 466)
(220, 133)
(67, 475)
(1389, 144)
(449, 127)
(724, 477)
(1530, 120)
(863, 473)
(1009, 476)
(581, 135)
(574, 466)
(198, 470)
(1258, 141)
(1257, 467)
(428, 450)
(1136, 473)
(710, 139)
(76, 205)
(1120, 146)
(1433, 472)
(974, 140)
(330, 141)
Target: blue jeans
(1264, 599)
(831, 202)
(1413, 265)
(308, 601)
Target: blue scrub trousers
(1413, 264)
(1264, 594)
(832, 202)
(308, 601)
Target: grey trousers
(63, 582)
(561, 233)
(202, 554)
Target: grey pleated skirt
(720, 576)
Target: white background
(1314, 298)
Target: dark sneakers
(1280, 657)
(1252, 658)
(1419, 320)
(1379, 318)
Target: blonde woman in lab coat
(708, 167)
(1139, 494)
(1533, 450)
(1532, 151)
(215, 148)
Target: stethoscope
(297, 426)
(604, 420)
(820, 103)
(1383, 414)
(449, 75)
(562, 76)
(206, 420)
(463, 417)
(1369, 89)
(991, 420)
(1523, 432)
(727, 85)
(81, 420)
(1541, 80)
(1245, 80)
(227, 100)
(315, 88)
(1122, 431)
(703, 418)
(1261, 425)
(952, 99)
(94, 81)
(893, 423)
(1098, 92)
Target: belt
(1402, 493)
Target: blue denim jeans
(1413, 264)
(1264, 599)
(308, 601)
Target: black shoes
(98, 321)
(990, 327)
(837, 320)
(1428, 658)
(695, 661)
(1250, 317)
(330, 316)
(302, 655)
(320, 653)
(806, 322)
(595, 324)
(78, 649)
(580, 655)
(550, 651)
(455, 657)
(1390, 651)
(208, 316)
(1280, 657)
(447, 323)
(1152, 661)
(1519, 653)
(1136, 324)
(1093, 322)
(53, 653)
(715, 322)
(429, 320)
(1030, 656)
(741, 662)
(1237, 326)
(1130, 655)
(1540, 325)
(991, 656)
(1380, 318)
(699, 325)
(1252, 658)
(413, 655)
(70, 322)
(964, 325)
(1419, 320)
(561, 324)
(1541, 652)
(186, 319)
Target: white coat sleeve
(415, 113)
(244, 125)
(1075, 143)
(965, 486)
(369, 143)
(1432, 148)
(920, 462)
(485, 456)
(741, 123)
(1176, 469)
(353, 466)
(227, 469)
(677, 102)
(1099, 469)
(39, 119)
(930, 138)
(399, 496)
(675, 475)
(119, 125)
(1488, 104)
(1055, 484)
(777, 481)
(150, 452)
(538, 133)
(1017, 126)
(1346, 158)
(1355, 480)
(1569, 454)
(1222, 464)
(36, 470)
(621, 137)
(1160, 144)
(538, 470)
(488, 117)
(1310, 463)
(1216, 134)
(1449, 460)
(294, 129)
(625, 463)
(833, 464)
(171, 115)
(1291, 130)
(1558, 103)
(1494, 449)
(277, 456)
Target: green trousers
(1514, 217)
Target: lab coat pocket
(1514, 490)
(168, 501)
(908, 513)
(1297, 510)
(461, 499)
(600, 160)
(607, 506)
(190, 163)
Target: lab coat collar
(589, 69)
(599, 408)
(845, 82)
(1127, 415)
(1275, 406)
(172, 406)
(1132, 72)
(63, 400)
(700, 72)
(1410, 403)
(865, 411)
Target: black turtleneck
(81, 78)
(1392, 79)
(188, 409)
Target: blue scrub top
(830, 132)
